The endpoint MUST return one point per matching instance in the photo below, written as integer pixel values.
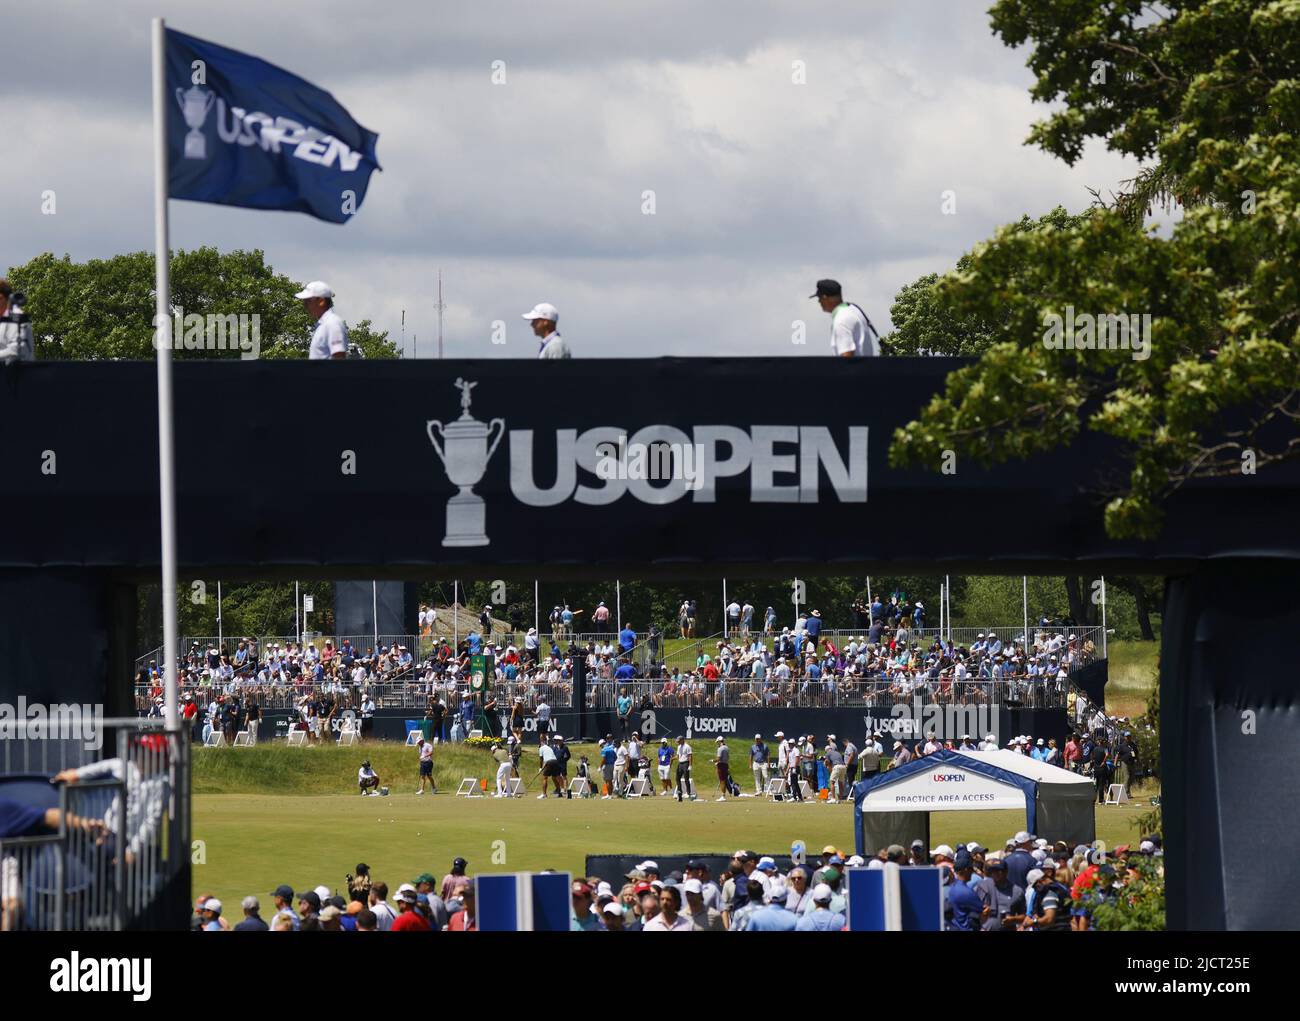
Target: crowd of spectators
(1030, 884)
(894, 659)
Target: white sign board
(944, 787)
(308, 604)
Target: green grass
(272, 815)
(1132, 674)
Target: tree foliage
(925, 325)
(104, 308)
(1209, 91)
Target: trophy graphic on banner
(195, 104)
(464, 452)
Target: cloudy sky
(532, 190)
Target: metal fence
(118, 831)
(864, 694)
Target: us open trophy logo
(195, 104)
(464, 452)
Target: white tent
(894, 807)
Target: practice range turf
(271, 814)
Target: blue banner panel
(497, 903)
(866, 890)
(921, 890)
(552, 906)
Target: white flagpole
(1024, 590)
(1103, 616)
(162, 343)
(947, 598)
(941, 632)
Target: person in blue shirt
(608, 755)
(814, 627)
(624, 702)
(1039, 753)
(665, 760)
(773, 917)
(821, 918)
(626, 639)
(475, 643)
(964, 903)
(1020, 861)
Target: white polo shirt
(330, 336)
(554, 347)
(851, 332)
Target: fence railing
(117, 837)
(864, 694)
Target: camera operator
(15, 327)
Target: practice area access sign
(944, 787)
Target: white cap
(315, 289)
(942, 849)
(822, 894)
(323, 892)
(854, 861)
(543, 310)
(777, 891)
(1146, 847)
(1034, 876)
(648, 865)
(212, 904)
(1022, 838)
(721, 739)
(612, 908)
(693, 886)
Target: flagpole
(162, 344)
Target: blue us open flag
(242, 132)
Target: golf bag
(733, 788)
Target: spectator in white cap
(774, 916)
(821, 918)
(330, 338)
(702, 917)
(544, 318)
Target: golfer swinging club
(550, 770)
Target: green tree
(104, 308)
(925, 325)
(1139, 901)
(1208, 91)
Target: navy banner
(243, 132)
